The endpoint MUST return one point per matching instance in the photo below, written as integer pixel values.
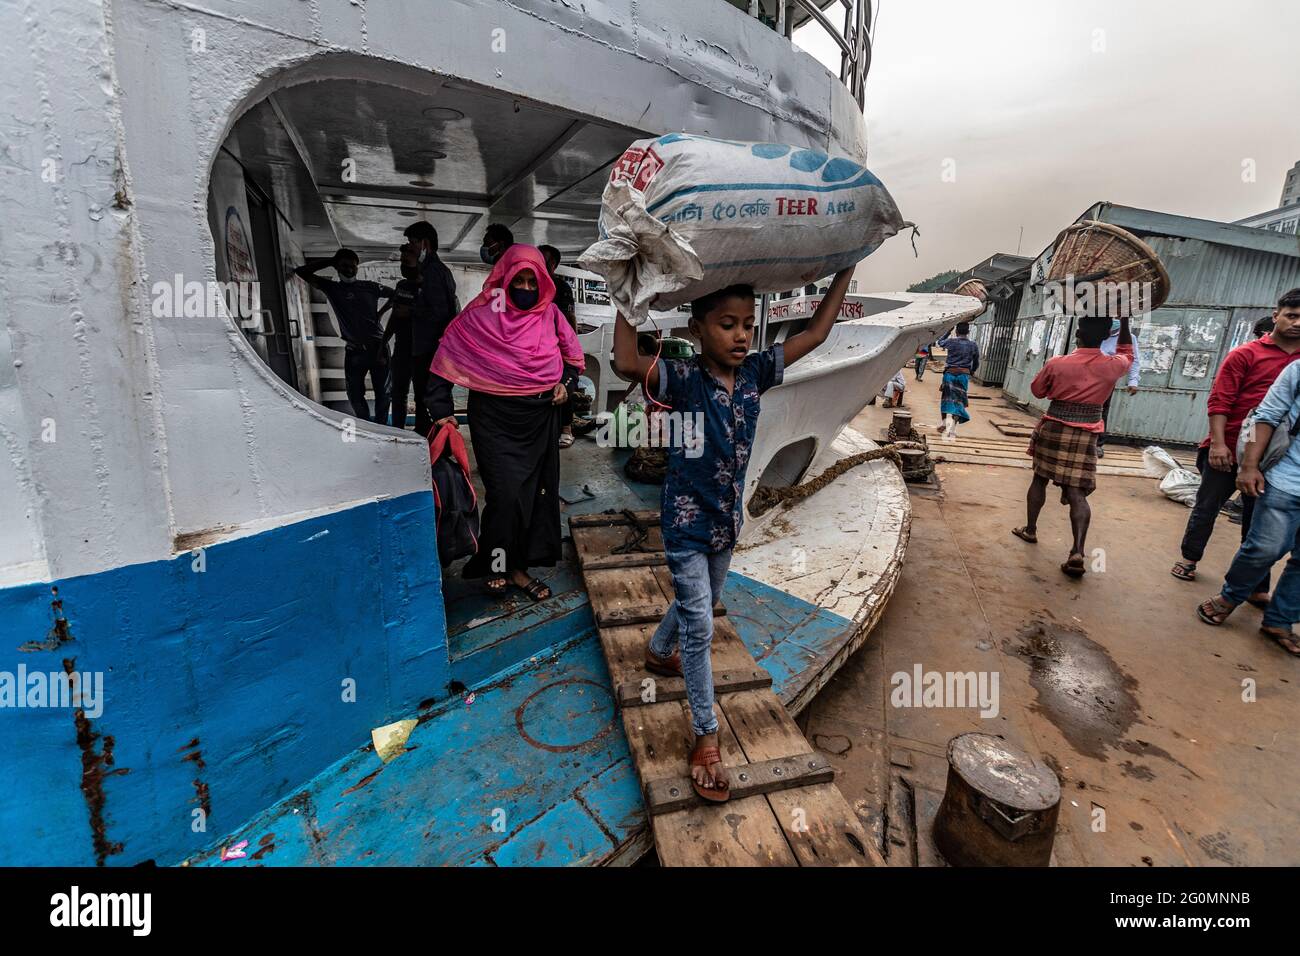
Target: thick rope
(765, 498)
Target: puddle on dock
(1080, 688)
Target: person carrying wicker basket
(1064, 445)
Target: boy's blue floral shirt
(701, 509)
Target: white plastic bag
(1176, 482)
(1157, 461)
(1180, 485)
(684, 215)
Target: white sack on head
(683, 216)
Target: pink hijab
(492, 346)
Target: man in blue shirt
(1275, 524)
(963, 359)
(1134, 375)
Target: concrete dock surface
(1176, 743)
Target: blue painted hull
(533, 770)
(224, 689)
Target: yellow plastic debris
(390, 740)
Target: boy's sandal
(536, 590)
(1214, 611)
(706, 757)
(1074, 566)
(1024, 534)
(1184, 570)
(496, 585)
(1285, 638)
(670, 666)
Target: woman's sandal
(706, 757)
(1184, 570)
(1214, 611)
(1284, 638)
(1074, 566)
(566, 439)
(536, 590)
(497, 586)
(1024, 534)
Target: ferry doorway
(275, 328)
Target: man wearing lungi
(1064, 445)
(963, 359)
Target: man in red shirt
(1240, 384)
(1064, 446)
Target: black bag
(453, 495)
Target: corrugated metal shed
(1004, 277)
(1224, 277)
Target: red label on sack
(650, 165)
(637, 167)
(625, 168)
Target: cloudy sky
(1042, 107)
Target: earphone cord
(645, 381)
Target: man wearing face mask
(496, 240)
(432, 310)
(356, 308)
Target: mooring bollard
(914, 464)
(999, 807)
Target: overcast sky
(1038, 124)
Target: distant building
(1291, 188)
(1285, 218)
(1004, 277)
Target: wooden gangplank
(785, 809)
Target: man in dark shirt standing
(434, 307)
(356, 308)
(564, 301)
(398, 328)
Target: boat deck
(527, 763)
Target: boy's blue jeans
(1273, 532)
(697, 581)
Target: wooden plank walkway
(810, 824)
(1010, 452)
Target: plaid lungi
(1065, 455)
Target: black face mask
(485, 253)
(523, 298)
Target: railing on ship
(852, 39)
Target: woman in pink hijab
(520, 359)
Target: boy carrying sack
(703, 492)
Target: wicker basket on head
(973, 287)
(1108, 256)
